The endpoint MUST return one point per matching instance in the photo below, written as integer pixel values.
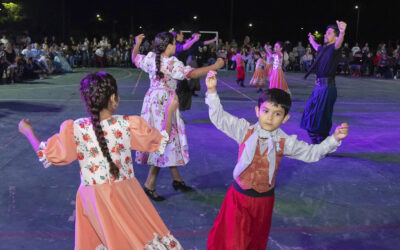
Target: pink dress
(154, 105)
(277, 78)
(110, 213)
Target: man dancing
(317, 116)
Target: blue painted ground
(347, 201)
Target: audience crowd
(21, 58)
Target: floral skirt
(119, 216)
(153, 111)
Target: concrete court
(350, 200)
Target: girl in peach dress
(277, 77)
(260, 74)
(112, 210)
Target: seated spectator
(39, 57)
(355, 64)
(19, 69)
(285, 62)
(343, 66)
(60, 63)
(223, 53)
(383, 69)
(32, 70)
(212, 56)
(2, 63)
(355, 49)
(4, 39)
(294, 60)
(231, 59)
(396, 64)
(9, 63)
(306, 60)
(99, 55)
(367, 67)
(109, 55)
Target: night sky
(272, 20)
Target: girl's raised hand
(25, 127)
(139, 38)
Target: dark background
(272, 20)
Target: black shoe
(182, 186)
(259, 90)
(152, 195)
(194, 94)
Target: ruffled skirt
(277, 80)
(119, 216)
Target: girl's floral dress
(154, 108)
(111, 213)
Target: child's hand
(341, 26)
(173, 104)
(196, 37)
(139, 38)
(219, 63)
(341, 131)
(25, 127)
(211, 82)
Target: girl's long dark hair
(160, 45)
(96, 90)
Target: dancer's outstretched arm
(269, 52)
(313, 43)
(342, 28)
(196, 73)
(26, 129)
(135, 50)
(190, 42)
(210, 41)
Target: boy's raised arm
(232, 126)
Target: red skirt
(240, 73)
(242, 223)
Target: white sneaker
(395, 78)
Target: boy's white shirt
(237, 128)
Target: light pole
(357, 8)
(231, 21)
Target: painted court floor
(349, 200)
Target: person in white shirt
(248, 204)
(355, 49)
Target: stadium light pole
(231, 22)
(357, 8)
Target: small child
(260, 73)
(244, 220)
(112, 211)
(240, 75)
(276, 76)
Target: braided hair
(96, 90)
(160, 45)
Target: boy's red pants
(242, 223)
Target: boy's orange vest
(256, 175)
